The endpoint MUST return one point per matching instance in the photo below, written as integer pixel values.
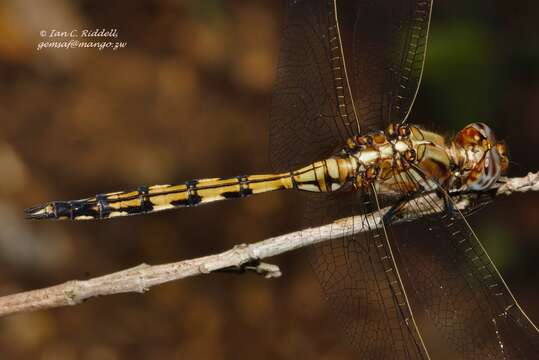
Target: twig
(527, 183)
(141, 278)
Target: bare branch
(141, 278)
(526, 183)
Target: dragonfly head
(484, 158)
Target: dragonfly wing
(384, 44)
(457, 284)
(345, 67)
(311, 111)
(361, 282)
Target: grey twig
(141, 278)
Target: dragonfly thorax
(472, 160)
(376, 158)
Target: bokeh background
(188, 98)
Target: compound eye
(404, 131)
(410, 155)
(485, 131)
(476, 134)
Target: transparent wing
(344, 66)
(311, 113)
(361, 281)
(384, 44)
(328, 57)
(458, 286)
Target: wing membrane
(361, 281)
(458, 285)
(384, 44)
(312, 113)
(348, 65)
(344, 66)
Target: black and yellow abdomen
(321, 176)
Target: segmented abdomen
(320, 176)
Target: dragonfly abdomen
(157, 198)
(321, 176)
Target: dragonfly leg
(256, 266)
(395, 210)
(398, 210)
(449, 206)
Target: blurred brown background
(188, 98)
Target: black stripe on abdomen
(192, 198)
(245, 190)
(144, 196)
(103, 206)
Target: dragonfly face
(480, 157)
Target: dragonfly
(347, 77)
